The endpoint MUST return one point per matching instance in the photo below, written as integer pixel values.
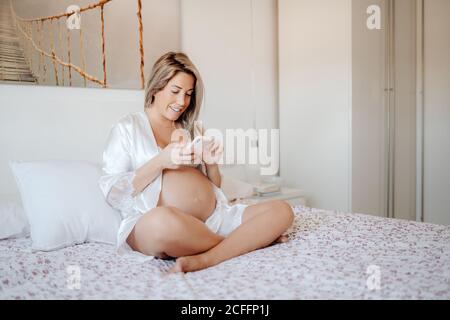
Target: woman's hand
(211, 155)
(212, 152)
(175, 155)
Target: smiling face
(175, 97)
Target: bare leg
(262, 224)
(168, 232)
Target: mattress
(330, 255)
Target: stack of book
(267, 189)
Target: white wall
(315, 99)
(234, 45)
(436, 179)
(51, 123)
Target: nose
(181, 99)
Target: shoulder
(124, 130)
(130, 119)
(129, 122)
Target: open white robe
(130, 145)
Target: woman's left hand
(212, 151)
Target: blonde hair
(164, 69)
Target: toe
(178, 267)
(282, 239)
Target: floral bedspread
(330, 255)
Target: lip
(174, 110)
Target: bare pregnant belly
(188, 190)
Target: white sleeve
(118, 174)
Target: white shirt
(130, 145)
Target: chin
(172, 118)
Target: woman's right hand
(175, 155)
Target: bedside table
(290, 195)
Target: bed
(330, 255)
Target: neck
(157, 119)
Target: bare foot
(190, 263)
(200, 261)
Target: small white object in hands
(196, 144)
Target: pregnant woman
(169, 206)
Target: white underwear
(225, 218)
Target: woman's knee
(162, 222)
(167, 224)
(283, 208)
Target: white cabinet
(384, 109)
(401, 110)
(436, 112)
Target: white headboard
(57, 123)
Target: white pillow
(13, 222)
(64, 204)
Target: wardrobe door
(369, 109)
(384, 109)
(436, 112)
(403, 112)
